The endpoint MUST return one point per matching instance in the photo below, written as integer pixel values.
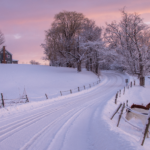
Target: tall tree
(130, 38)
(66, 39)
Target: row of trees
(74, 40)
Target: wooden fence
(78, 89)
(24, 98)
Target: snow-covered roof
(14, 60)
(6, 51)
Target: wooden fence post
(84, 86)
(134, 82)
(116, 111)
(78, 88)
(126, 102)
(90, 85)
(61, 93)
(116, 98)
(3, 103)
(46, 95)
(70, 91)
(120, 93)
(27, 100)
(124, 91)
(146, 128)
(121, 114)
(131, 84)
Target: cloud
(17, 36)
(147, 22)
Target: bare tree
(33, 62)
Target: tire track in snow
(95, 102)
(33, 139)
(12, 129)
(27, 145)
(67, 125)
(66, 114)
(9, 130)
(31, 117)
(75, 119)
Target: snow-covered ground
(38, 80)
(77, 121)
(137, 95)
(73, 122)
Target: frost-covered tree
(92, 41)
(61, 37)
(71, 40)
(130, 38)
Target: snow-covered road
(74, 123)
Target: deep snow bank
(38, 80)
(137, 95)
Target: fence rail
(78, 89)
(9, 102)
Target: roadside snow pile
(40, 80)
(137, 95)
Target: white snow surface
(135, 95)
(78, 121)
(38, 80)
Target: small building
(6, 57)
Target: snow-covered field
(78, 121)
(38, 80)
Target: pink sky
(23, 22)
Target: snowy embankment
(137, 95)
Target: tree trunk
(90, 64)
(96, 68)
(142, 81)
(142, 78)
(79, 66)
(87, 65)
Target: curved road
(73, 123)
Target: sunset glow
(23, 22)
